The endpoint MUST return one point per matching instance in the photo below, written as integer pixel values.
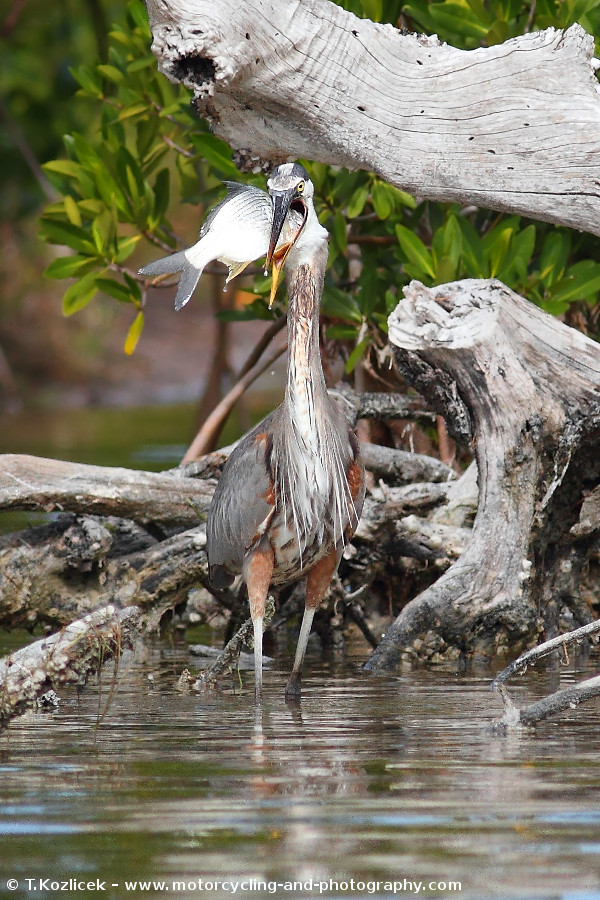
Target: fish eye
(300, 187)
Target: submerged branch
(569, 698)
(227, 660)
(559, 701)
(563, 640)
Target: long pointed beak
(281, 205)
(278, 260)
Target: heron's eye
(300, 187)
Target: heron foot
(293, 688)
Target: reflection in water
(369, 779)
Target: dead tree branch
(401, 467)
(561, 642)
(569, 698)
(214, 422)
(209, 432)
(227, 660)
(32, 482)
(451, 125)
(383, 406)
(559, 701)
(68, 657)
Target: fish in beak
(284, 202)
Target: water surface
(377, 780)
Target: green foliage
(39, 42)
(116, 187)
(118, 184)
(473, 23)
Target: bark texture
(513, 127)
(61, 571)
(68, 657)
(524, 389)
(32, 482)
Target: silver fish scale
(244, 206)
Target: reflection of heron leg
(258, 569)
(319, 579)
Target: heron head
(291, 191)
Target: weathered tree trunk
(513, 127)
(524, 390)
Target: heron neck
(306, 391)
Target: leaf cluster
(116, 184)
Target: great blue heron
(292, 490)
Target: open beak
(281, 206)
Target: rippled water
(376, 780)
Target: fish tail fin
(187, 285)
(168, 265)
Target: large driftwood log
(524, 389)
(513, 127)
(76, 564)
(31, 482)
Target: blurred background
(67, 388)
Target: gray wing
(242, 505)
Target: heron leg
(257, 571)
(319, 579)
